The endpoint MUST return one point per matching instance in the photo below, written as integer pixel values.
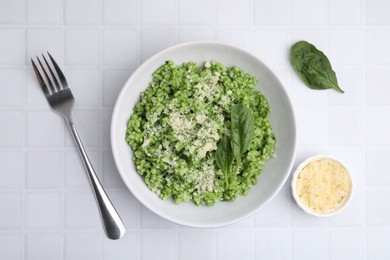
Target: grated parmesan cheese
(323, 185)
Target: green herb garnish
(233, 148)
(313, 67)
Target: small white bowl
(308, 210)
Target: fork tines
(52, 83)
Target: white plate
(276, 170)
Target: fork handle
(112, 223)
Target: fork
(60, 98)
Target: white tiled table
(46, 207)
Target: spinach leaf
(224, 156)
(232, 148)
(313, 67)
(242, 129)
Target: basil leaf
(313, 67)
(242, 129)
(224, 155)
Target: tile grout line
(363, 63)
(100, 32)
(63, 192)
(326, 38)
(24, 135)
(289, 91)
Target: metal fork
(60, 98)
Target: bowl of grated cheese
(322, 186)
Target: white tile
(271, 12)
(347, 244)
(11, 169)
(11, 246)
(155, 12)
(123, 249)
(377, 212)
(300, 219)
(111, 177)
(377, 41)
(341, 52)
(153, 41)
(303, 153)
(81, 47)
(270, 47)
(377, 12)
(44, 11)
(120, 48)
(127, 206)
(87, 123)
(238, 37)
(119, 12)
(196, 245)
(311, 127)
(234, 244)
(344, 12)
(11, 131)
(81, 11)
(113, 82)
(272, 244)
(149, 220)
(277, 212)
(243, 224)
(43, 246)
(377, 92)
(314, 36)
(303, 96)
(10, 211)
(81, 211)
(350, 80)
(310, 244)
(353, 215)
(85, 87)
(41, 40)
(195, 35)
(43, 169)
(378, 244)
(160, 245)
(10, 88)
(44, 129)
(75, 175)
(377, 128)
(233, 12)
(106, 128)
(43, 210)
(377, 166)
(11, 11)
(308, 12)
(11, 46)
(345, 127)
(199, 12)
(81, 246)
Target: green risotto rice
(175, 128)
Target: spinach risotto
(200, 133)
